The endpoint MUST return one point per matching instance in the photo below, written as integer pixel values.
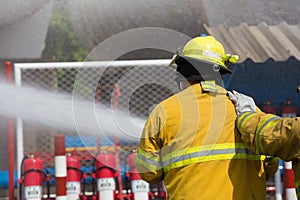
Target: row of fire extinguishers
(287, 110)
(104, 178)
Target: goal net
(128, 89)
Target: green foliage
(61, 42)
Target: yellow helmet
(207, 48)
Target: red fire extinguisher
(139, 188)
(106, 176)
(32, 178)
(268, 108)
(288, 110)
(73, 178)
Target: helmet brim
(191, 69)
(199, 62)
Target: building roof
(259, 42)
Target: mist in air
(62, 112)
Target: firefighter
(190, 140)
(268, 134)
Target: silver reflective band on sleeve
(243, 119)
(267, 123)
(150, 161)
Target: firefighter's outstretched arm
(148, 159)
(266, 133)
(270, 135)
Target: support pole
(278, 187)
(10, 138)
(60, 167)
(289, 182)
(19, 129)
(118, 167)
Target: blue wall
(4, 179)
(269, 80)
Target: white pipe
(19, 129)
(123, 63)
(278, 186)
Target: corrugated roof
(259, 42)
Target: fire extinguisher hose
(20, 183)
(76, 169)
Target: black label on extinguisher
(33, 192)
(106, 184)
(139, 186)
(73, 187)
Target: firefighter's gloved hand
(242, 102)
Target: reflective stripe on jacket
(196, 155)
(274, 136)
(190, 141)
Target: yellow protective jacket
(274, 136)
(191, 143)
